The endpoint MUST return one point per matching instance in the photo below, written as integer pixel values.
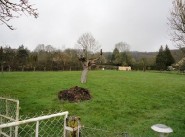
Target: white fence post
(17, 118)
(37, 129)
(65, 125)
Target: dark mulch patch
(74, 94)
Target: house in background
(125, 68)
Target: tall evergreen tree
(160, 60)
(169, 58)
(164, 58)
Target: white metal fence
(9, 112)
(43, 126)
(52, 125)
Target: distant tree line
(43, 58)
(121, 56)
(47, 58)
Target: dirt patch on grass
(74, 94)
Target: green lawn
(123, 101)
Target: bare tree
(10, 10)
(49, 48)
(123, 48)
(87, 46)
(177, 23)
(39, 48)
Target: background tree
(49, 48)
(72, 59)
(160, 59)
(65, 59)
(177, 23)
(144, 63)
(164, 58)
(14, 9)
(116, 57)
(1, 59)
(123, 48)
(33, 60)
(87, 46)
(10, 56)
(169, 58)
(45, 56)
(39, 48)
(22, 56)
(57, 58)
(107, 58)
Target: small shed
(124, 68)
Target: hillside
(176, 53)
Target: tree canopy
(87, 45)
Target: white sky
(140, 23)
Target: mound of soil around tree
(74, 94)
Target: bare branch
(87, 45)
(10, 10)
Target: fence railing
(9, 112)
(43, 126)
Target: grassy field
(123, 101)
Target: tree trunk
(2, 69)
(86, 64)
(9, 68)
(84, 75)
(22, 68)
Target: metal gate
(9, 112)
(41, 126)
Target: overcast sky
(140, 23)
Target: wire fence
(50, 125)
(44, 125)
(9, 112)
